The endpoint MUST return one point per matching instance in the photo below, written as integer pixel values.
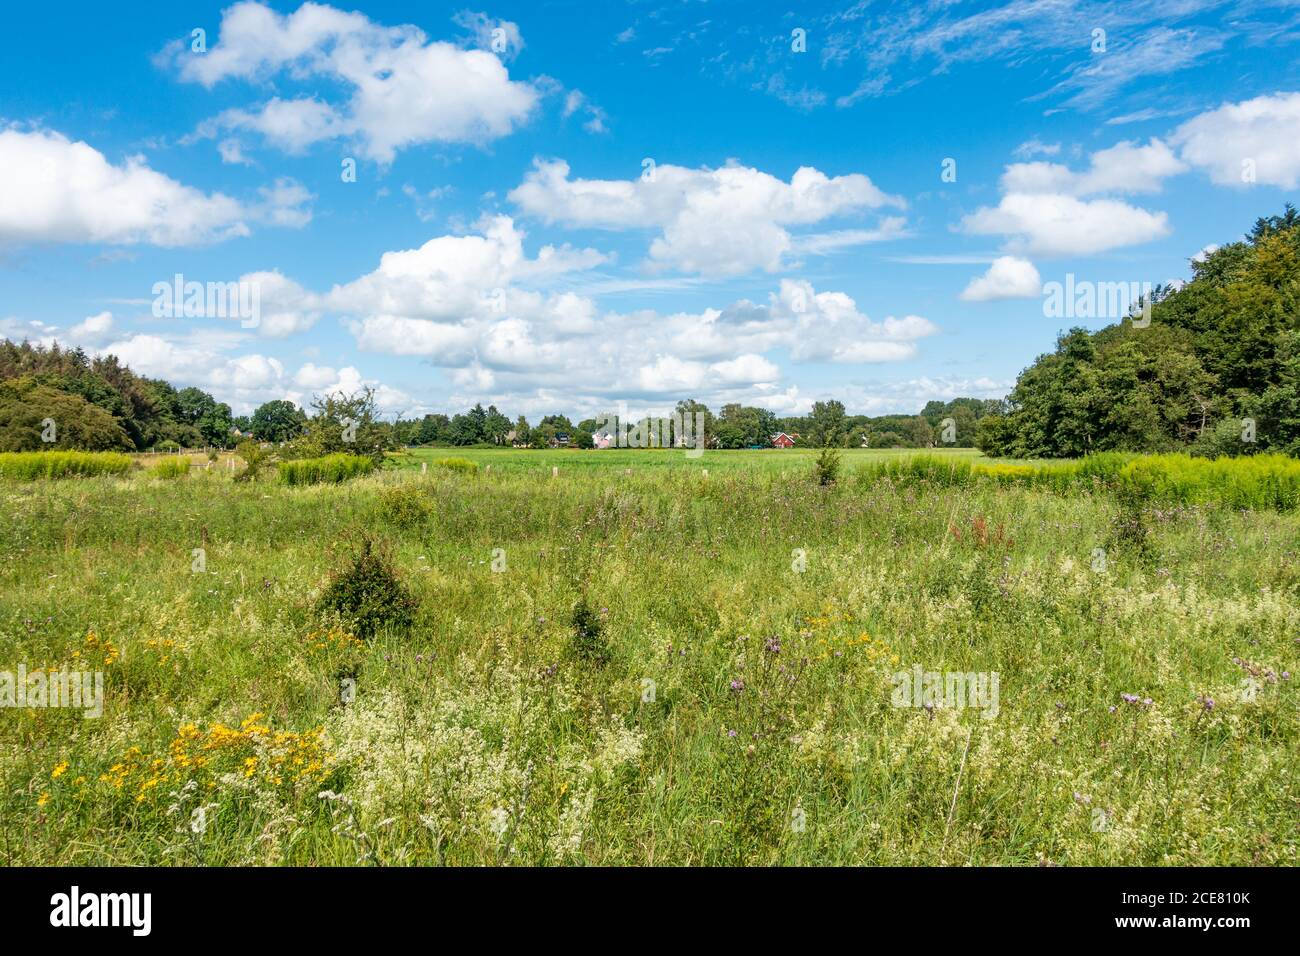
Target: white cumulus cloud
(1251, 141)
(402, 88)
(1007, 278)
(723, 221)
(56, 190)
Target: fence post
(555, 471)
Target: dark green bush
(587, 642)
(367, 593)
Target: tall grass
(634, 669)
(1257, 482)
(631, 670)
(30, 465)
(331, 469)
(174, 467)
(460, 465)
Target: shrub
(176, 467)
(30, 465)
(406, 506)
(587, 642)
(330, 468)
(255, 459)
(459, 465)
(368, 594)
(1129, 529)
(827, 467)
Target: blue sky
(564, 206)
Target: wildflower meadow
(634, 657)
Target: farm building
(782, 440)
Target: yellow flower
(43, 799)
(59, 771)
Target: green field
(730, 698)
(790, 461)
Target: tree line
(101, 405)
(1215, 371)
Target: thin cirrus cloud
(403, 89)
(1141, 39)
(57, 190)
(1099, 79)
(725, 221)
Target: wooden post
(706, 472)
(489, 467)
(555, 472)
(424, 467)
